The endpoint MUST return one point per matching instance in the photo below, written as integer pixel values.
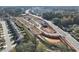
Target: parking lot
(2, 40)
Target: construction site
(47, 32)
(19, 33)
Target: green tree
(57, 21)
(25, 47)
(76, 20)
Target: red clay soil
(53, 41)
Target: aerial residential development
(39, 29)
